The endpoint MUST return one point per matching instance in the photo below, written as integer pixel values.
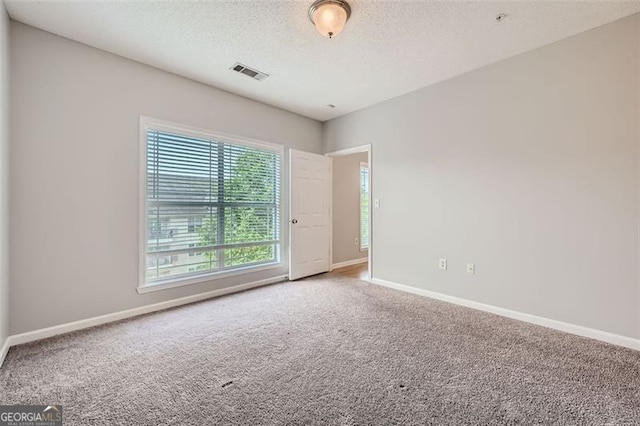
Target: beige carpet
(328, 350)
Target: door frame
(340, 153)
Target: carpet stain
(224, 385)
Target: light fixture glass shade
(330, 18)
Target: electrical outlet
(376, 203)
(442, 264)
(471, 268)
(356, 241)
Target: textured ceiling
(388, 47)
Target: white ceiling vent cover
(254, 74)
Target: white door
(310, 216)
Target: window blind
(210, 205)
(364, 206)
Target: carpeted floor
(327, 350)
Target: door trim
(340, 153)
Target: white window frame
(364, 164)
(147, 123)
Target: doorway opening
(351, 219)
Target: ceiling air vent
(254, 74)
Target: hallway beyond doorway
(359, 271)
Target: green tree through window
(258, 222)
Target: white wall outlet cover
(471, 268)
(442, 264)
(376, 202)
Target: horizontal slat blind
(364, 206)
(211, 205)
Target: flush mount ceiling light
(329, 16)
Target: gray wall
(74, 175)
(4, 174)
(346, 207)
(528, 168)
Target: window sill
(184, 281)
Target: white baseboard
(579, 330)
(349, 263)
(3, 351)
(31, 336)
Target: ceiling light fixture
(329, 16)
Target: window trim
(363, 164)
(166, 126)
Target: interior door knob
(294, 221)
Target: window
(212, 204)
(364, 206)
(195, 224)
